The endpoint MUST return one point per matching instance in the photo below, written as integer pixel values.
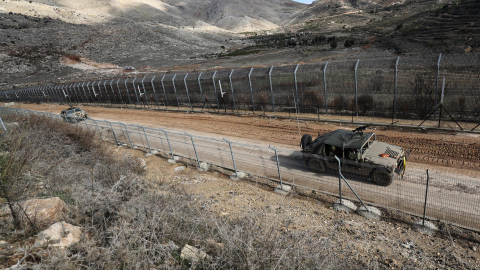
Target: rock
(3, 243)
(45, 211)
(283, 189)
(177, 158)
(238, 176)
(428, 228)
(143, 163)
(179, 169)
(203, 166)
(170, 246)
(372, 213)
(171, 161)
(344, 206)
(408, 245)
(60, 234)
(40, 185)
(192, 254)
(153, 152)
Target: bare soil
(457, 152)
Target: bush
(349, 43)
(312, 98)
(365, 104)
(291, 43)
(333, 44)
(338, 103)
(319, 39)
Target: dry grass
(131, 224)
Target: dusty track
(460, 153)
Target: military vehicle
(74, 114)
(361, 155)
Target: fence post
(436, 88)
(113, 131)
(340, 176)
(128, 135)
(233, 156)
(339, 179)
(194, 148)
(113, 92)
(215, 89)
(100, 91)
(144, 91)
(146, 138)
(154, 92)
(296, 88)
(135, 90)
(128, 94)
(175, 90)
(278, 165)
(426, 195)
(325, 86)
(89, 92)
(186, 89)
(164, 92)
(231, 87)
(106, 91)
(168, 141)
(395, 90)
(84, 93)
(3, 125)
(119, 92)
(201, 91)
(271, 86)
(99, 132)
(251, 88)
(356, 88)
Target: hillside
(237, 16)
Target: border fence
(452, 199)
(403, 89)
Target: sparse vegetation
(130, 223)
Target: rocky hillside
(238, 16)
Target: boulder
(45, 211)
(179, 169)
(60, 234)
(203, 166)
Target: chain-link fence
(452, 198)
(401, 90)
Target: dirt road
(453, 193)
(455, 153)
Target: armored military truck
(74, 114)
(361, 155)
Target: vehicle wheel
(317, 165)
(382, 178)
(305, 141)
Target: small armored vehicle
(73, 114)
(361, 155)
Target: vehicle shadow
(294, 162)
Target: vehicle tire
(382, 178)
(317, 165)
(305, 141)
